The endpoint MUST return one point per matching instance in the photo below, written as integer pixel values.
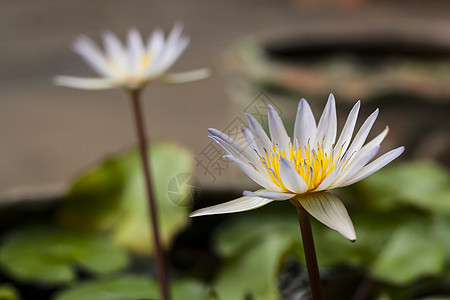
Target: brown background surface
(49, 134)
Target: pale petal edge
(375, 165)
(269, 195)
(240, 204)
(290, 178)
(329, 210)
(84, 83)
(185, 77)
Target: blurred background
(50, 133)
(394, 55)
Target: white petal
(241, 204)
(347, 131)
(305, 124)
(219, 134)
(89, 51)
(363, 132)
(156, 42)
(169, 56)
(255, 175)
(329, 210)
(326, 183)
(135, 51)
(327, 127)
(175, 34)
(269, 195)
(248, 135)
(375, 165)
(184, 77)
(363, 152)
(277, 130)
(375, 141)
(173, 48)
(355, 166)
(84, 83)
(235, 149)
(115, 51)
(290, 177)
(261, 140)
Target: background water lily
(304, 168)
(134, 64)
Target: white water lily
(132, 65)
(304, 168)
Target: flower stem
(310, 252)
(143, 150)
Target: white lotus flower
(305, 168)
(132, 65)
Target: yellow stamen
(313, 165)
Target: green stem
(310, 252)
(143, 150)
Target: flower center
(313, 165)
(146, 59)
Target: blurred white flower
(132, 65)
(304, 168)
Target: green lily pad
(372, 236)
(49, 255)
(111, 197)
(8, 292)
(132, 288)
(409, 255)
(254, 247)
(422, 184)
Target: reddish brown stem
(143, 151)
(310, 252)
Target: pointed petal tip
(212, 131)
(237, 205)
(351, 236)
(331, 97)
(302, 103)
(56, 79)
(329, 210)
(178, 25)
(186, 77)
(133, 30)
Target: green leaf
(409, 255)
(254, 247)
(112, 198)
(8, 292)
(372, 236)
(422, 184)
(133, 288)
(48, 255)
